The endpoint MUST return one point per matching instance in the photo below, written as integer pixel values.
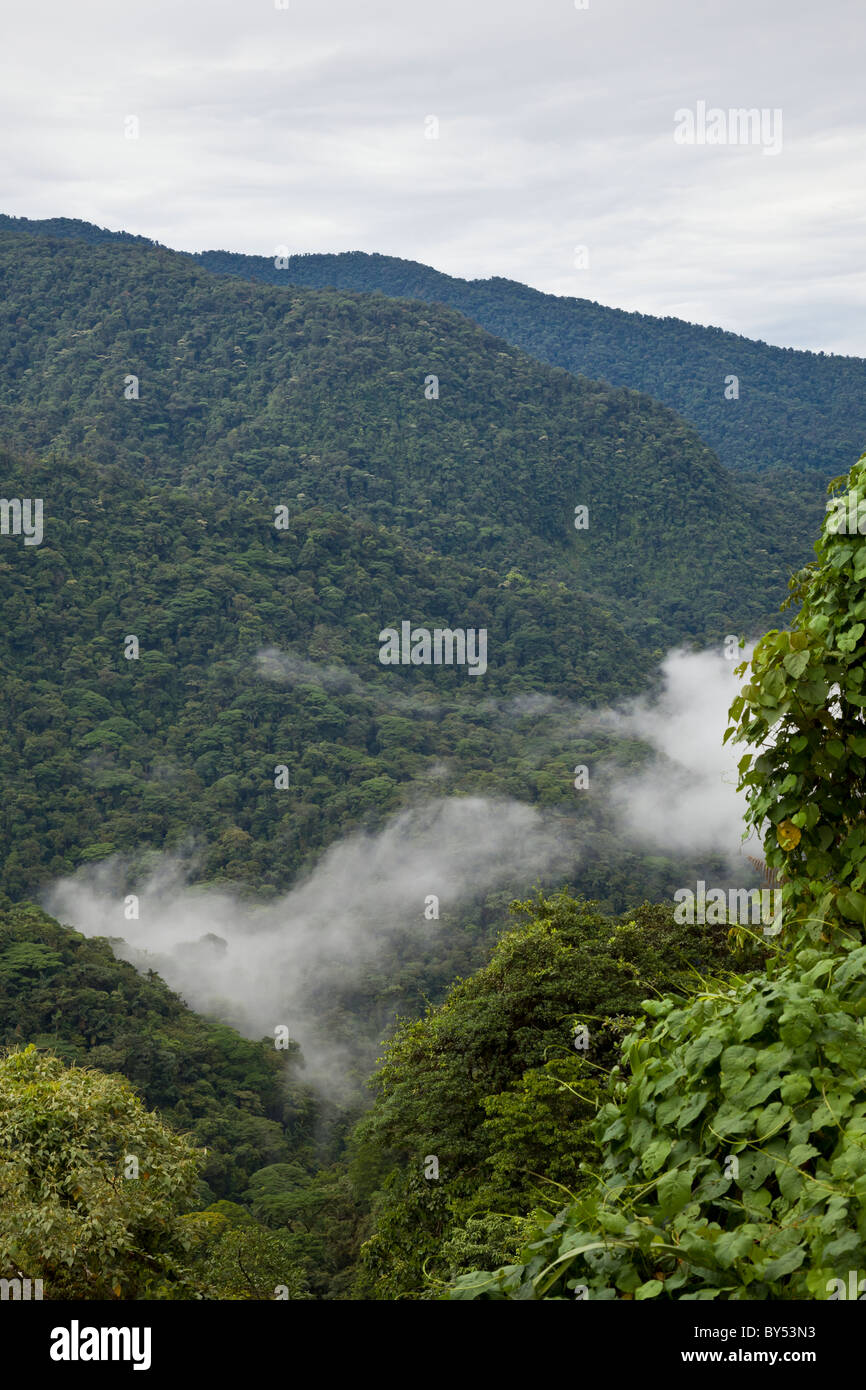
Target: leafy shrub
(735, 1159)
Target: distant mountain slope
(796, 410)
(100, 753)
(304, 397)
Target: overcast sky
(308, 127)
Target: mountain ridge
(798, 411)
(321, 394)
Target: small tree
(90, 1184)
(241, 1259)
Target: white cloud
(685, 800)
(289, 962)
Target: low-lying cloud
(685, 799)
(294, 959)
(276, 665)
(286, 962)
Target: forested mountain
(242, 485)
(306, 398)
(159, 523)
(795, 411)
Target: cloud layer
(292, 960)
(289, 961)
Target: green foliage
(535, 1129)
(69, 1215)
(735, 1154)
(259, 1133)
(735, 1150)
(276, 1194)
(319, 1220)
(802, 708)
(236, 1258)
(491, 1085)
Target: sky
(482, 137)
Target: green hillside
(796, 411)
(799, 412)
(259, 646)
(168, 653)
(306, 398)
(104, 752)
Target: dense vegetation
(258, 648)
(234, 1193)
(797, 412)
(734, 1159)
(159, 522)
(243, 1101)
(300, 398)
(490, 1083)
(499, 1084)
(91, 1184)
(185, 739)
